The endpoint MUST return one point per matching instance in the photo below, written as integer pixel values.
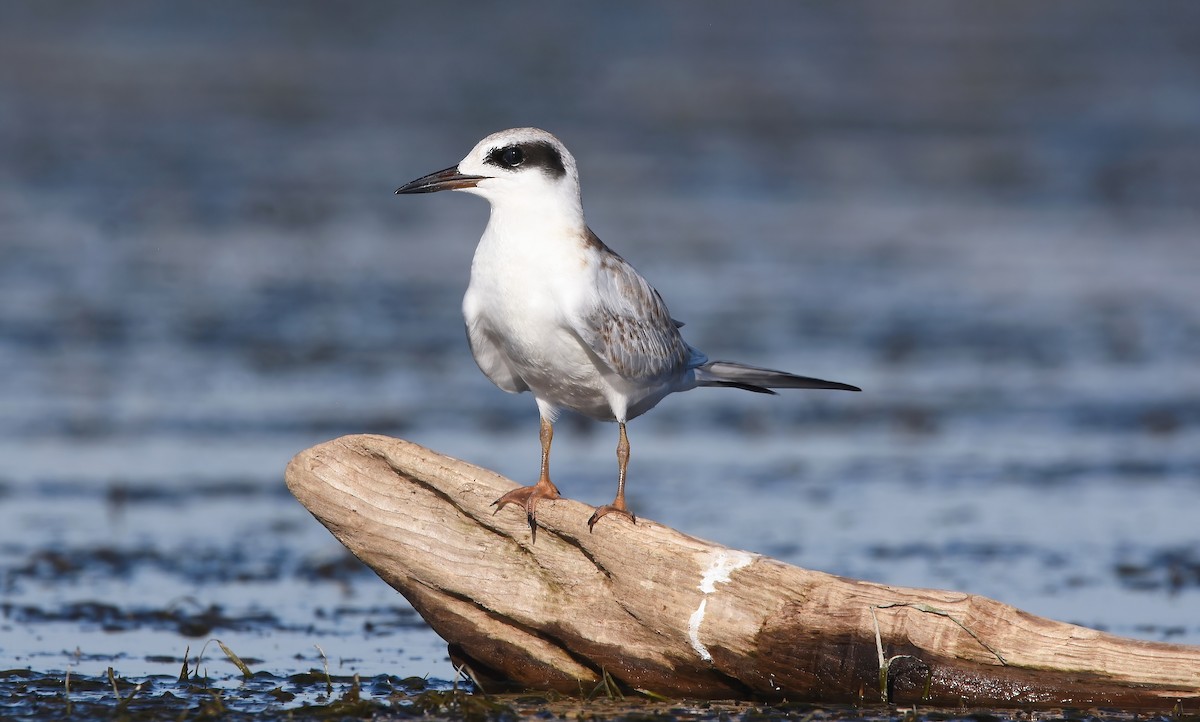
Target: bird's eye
(513, 157)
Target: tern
(552, 310)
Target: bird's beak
(444, 180)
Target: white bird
(553, 311)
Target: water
(986, 219)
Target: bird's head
(512, 168)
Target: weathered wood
(662, 611)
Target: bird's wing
(626, 323)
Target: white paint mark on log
(724, 563)
(694, 631)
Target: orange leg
(618, 505)
(527, 496)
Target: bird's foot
(527, 497)
(617, 507)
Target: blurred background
(984, 214)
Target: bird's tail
(759, 380)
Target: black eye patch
(537, 154)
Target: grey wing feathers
(629, 326)
(760, 380)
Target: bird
(550, 309)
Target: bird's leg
(618, 505)
(527, 496)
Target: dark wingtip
(822, 384)
(837, 386)
(831, 385)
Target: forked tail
(759, 380)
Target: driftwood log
(660, 611)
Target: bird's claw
(527, 497)
(602, 511)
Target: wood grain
(662, 611)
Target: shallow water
(987, 221)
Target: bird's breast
(521, 302)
